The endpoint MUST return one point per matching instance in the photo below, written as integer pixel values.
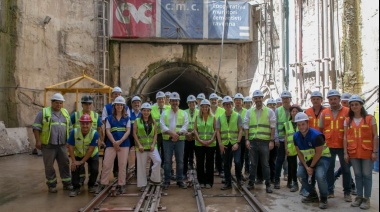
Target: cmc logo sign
(125, 11)
(181, 7)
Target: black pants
(244, 155)
(280, 161)
(218, 159)
(227, 162)
(160, 148)
(188, 156)
(272, 165)
(292, 169)
(93, 171)
(205, 164)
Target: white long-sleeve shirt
(173, 122)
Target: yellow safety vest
(205, 130)
(156, 115)
(145, 140)
(83, 143)
(94, 118)
(281, 120)
(180, 122)
(229, 132)
(191, 119)
(289, 132)
(308, 154)
(259, 129)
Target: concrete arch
(184, 78)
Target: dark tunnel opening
(183, 80)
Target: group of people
(258, 138)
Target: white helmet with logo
(205, 102)
(220, 98)
(346, 96)
(301, 116)
(333, 92)
(117, 89)
(227, 99)
(257, 93)
(191, 98)
(57, 97)
(271, 101)
(286, 94)
(136, 98)
(278, 100)
(316, 94)
(247, 99)
(356, 98)
(160, 94)
(167, 94)
(239, 96)
(201, 96)
(146, 105)
(119, 100)
(213, 96)
(174, 96)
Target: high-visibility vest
(191, 118)
(242, 113)
(333, 129)
(47, 123)
(229, 132)
(156, 115)
(205, 130)
(180, 122)
(118, 129)
(94, 117)
(83, 143)
(282, 118)
(145, 140)
(289, 132)
(218, 112)
(259, 129)
(313, 120)
(360, 138)
(306, 144)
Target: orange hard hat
(85, 118)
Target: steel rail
(249, 197)
(98, 199)
(197, 192)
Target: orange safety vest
(314, 121)
(360, 138)
(333, 129)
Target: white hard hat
(167, 93)
(201, 96)
(301, 116)
(316, 94)
(333, 92)
(117, 89)
(247, 99)
(271, 101)
(220, 98)
(174, 96)
(213, 96)
(205, 102)
(286, 94)
(160, 94)
(346, 96)
(191, 98)
(278, 100)
(356, 98)
(227, 99)
(119, 100)
(257, 93)
(239, 96)
(146, 105)
(57, 97)
(136, 98)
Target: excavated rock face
(13, 140)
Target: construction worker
(345, 98)
(331, 124)
(145, 134)
(220, 102)
(247, 102)
(174, 124)
(314, 158)
(271, 103)
(282, 116)
(229, 132)
(51, 129)
(278, 102)
(315, 111)
(167, 97)
(188, 157)
(259, 126)
(290, 150)
(156, 114)
(200, 97)
(238, 107)
(205, 145)
(135, 113)
(96, 125)
(216, 112)
(83, 147)
(361, 148)
(118, 127)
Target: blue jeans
(319, 176)
(178, 148)
(279, 161)
(227, 160)
(363, 176)
(345, 171)
(259, 149)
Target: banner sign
(180, 20)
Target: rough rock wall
(13, 140)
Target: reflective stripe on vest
(289, 132)
(179, 123)
(229, 131)
(259, 129)
(83, 143)
(282, 118)
(46, 124)
(94, 118)
(205, 130)
(360, 138)
(313, 121)
(333, 129)
(191, 119)
(156, 115)
(144, 139)
(308, 154)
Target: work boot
(100, 188)
(68, 187)
(122, 189)
(323, 203)
(294, 187)
(182, 185)
(226, 186)
(304, 192)
(331, 196)
(277, 185)
(310, 198)
(208, 186)
(91, 189)
(251, 185)
(365, 204)
(166, 185)
(74, 192)
(347, 198)
(289, 185)
(358, 201)
(52, 189)
(268, 189)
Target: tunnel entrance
(185, 79)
